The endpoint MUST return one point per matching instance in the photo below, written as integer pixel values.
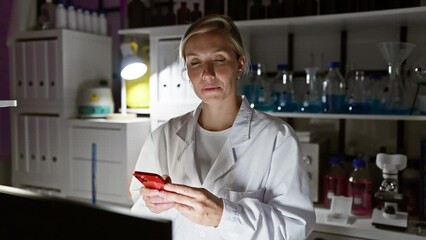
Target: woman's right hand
(152, 198)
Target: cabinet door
(22, 163)
(52, 73)
(169, 89)
(33, 144)
(55, 161)
(30, 70)
(41, 68)
(19, 71)
(43, 141)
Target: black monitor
(28, 215)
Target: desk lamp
(132, 68)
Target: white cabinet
(48, 69)
(104, 153)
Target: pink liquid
(360, 191)
(333, 185)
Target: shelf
(403, 16)
(8, 103)
(349, 116)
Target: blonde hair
(211, 23)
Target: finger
(181, 189)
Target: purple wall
(5, 148)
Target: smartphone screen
(150, 180)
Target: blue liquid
(333, 103)
(284, 102)
(359, 108)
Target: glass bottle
(183, 14)
(359, 188)
(283, 91)
(357, 99)
(257, 10)
(394, 53)
(333, 90)
(311, 102)
(334, 181)
(258, 90)
(196, 13)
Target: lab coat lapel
(186, 158)
(239, 134)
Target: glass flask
(394, 53)
(283, 91)
(311, 102)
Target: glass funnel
(394, 53)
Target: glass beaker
(312, 97)
(394, 53)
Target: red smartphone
(150, 180)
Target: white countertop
(361, 227)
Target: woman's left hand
(197, 204)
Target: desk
(361, 228)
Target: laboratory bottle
(334, 181)
(196, 13)
(261, 89)
(80, 19)
(135, 13)
(95, 22)
(257, 10)
(333, 90)
(359, 188)
(71, 18)
(311, 102)
(87, 21)
(183, 14)
(357, 99)
(61, 15)
(283, 92)
(103, 24)
(47, 16)
(375, 96)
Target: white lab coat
(259, 174)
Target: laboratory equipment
(394, 53)
(388, 215)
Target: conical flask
(394, 53)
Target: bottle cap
(334, 159)
(282, 67)
(358, 163)
(333, 64)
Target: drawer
(107, 182)
(109, 146)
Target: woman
(237, 172)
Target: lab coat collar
(240, 131)
(239, 134)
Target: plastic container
(61, 16)
(333, 94)
(359, 188)
(283, 92)
(71, 18)
(334, 181)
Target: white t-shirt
(208, 145)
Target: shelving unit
(8, 103)
(301, 42)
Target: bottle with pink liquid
(359, 188)
(334, 181)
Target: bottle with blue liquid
(258, 89)
(283, 91)
(333, 90)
